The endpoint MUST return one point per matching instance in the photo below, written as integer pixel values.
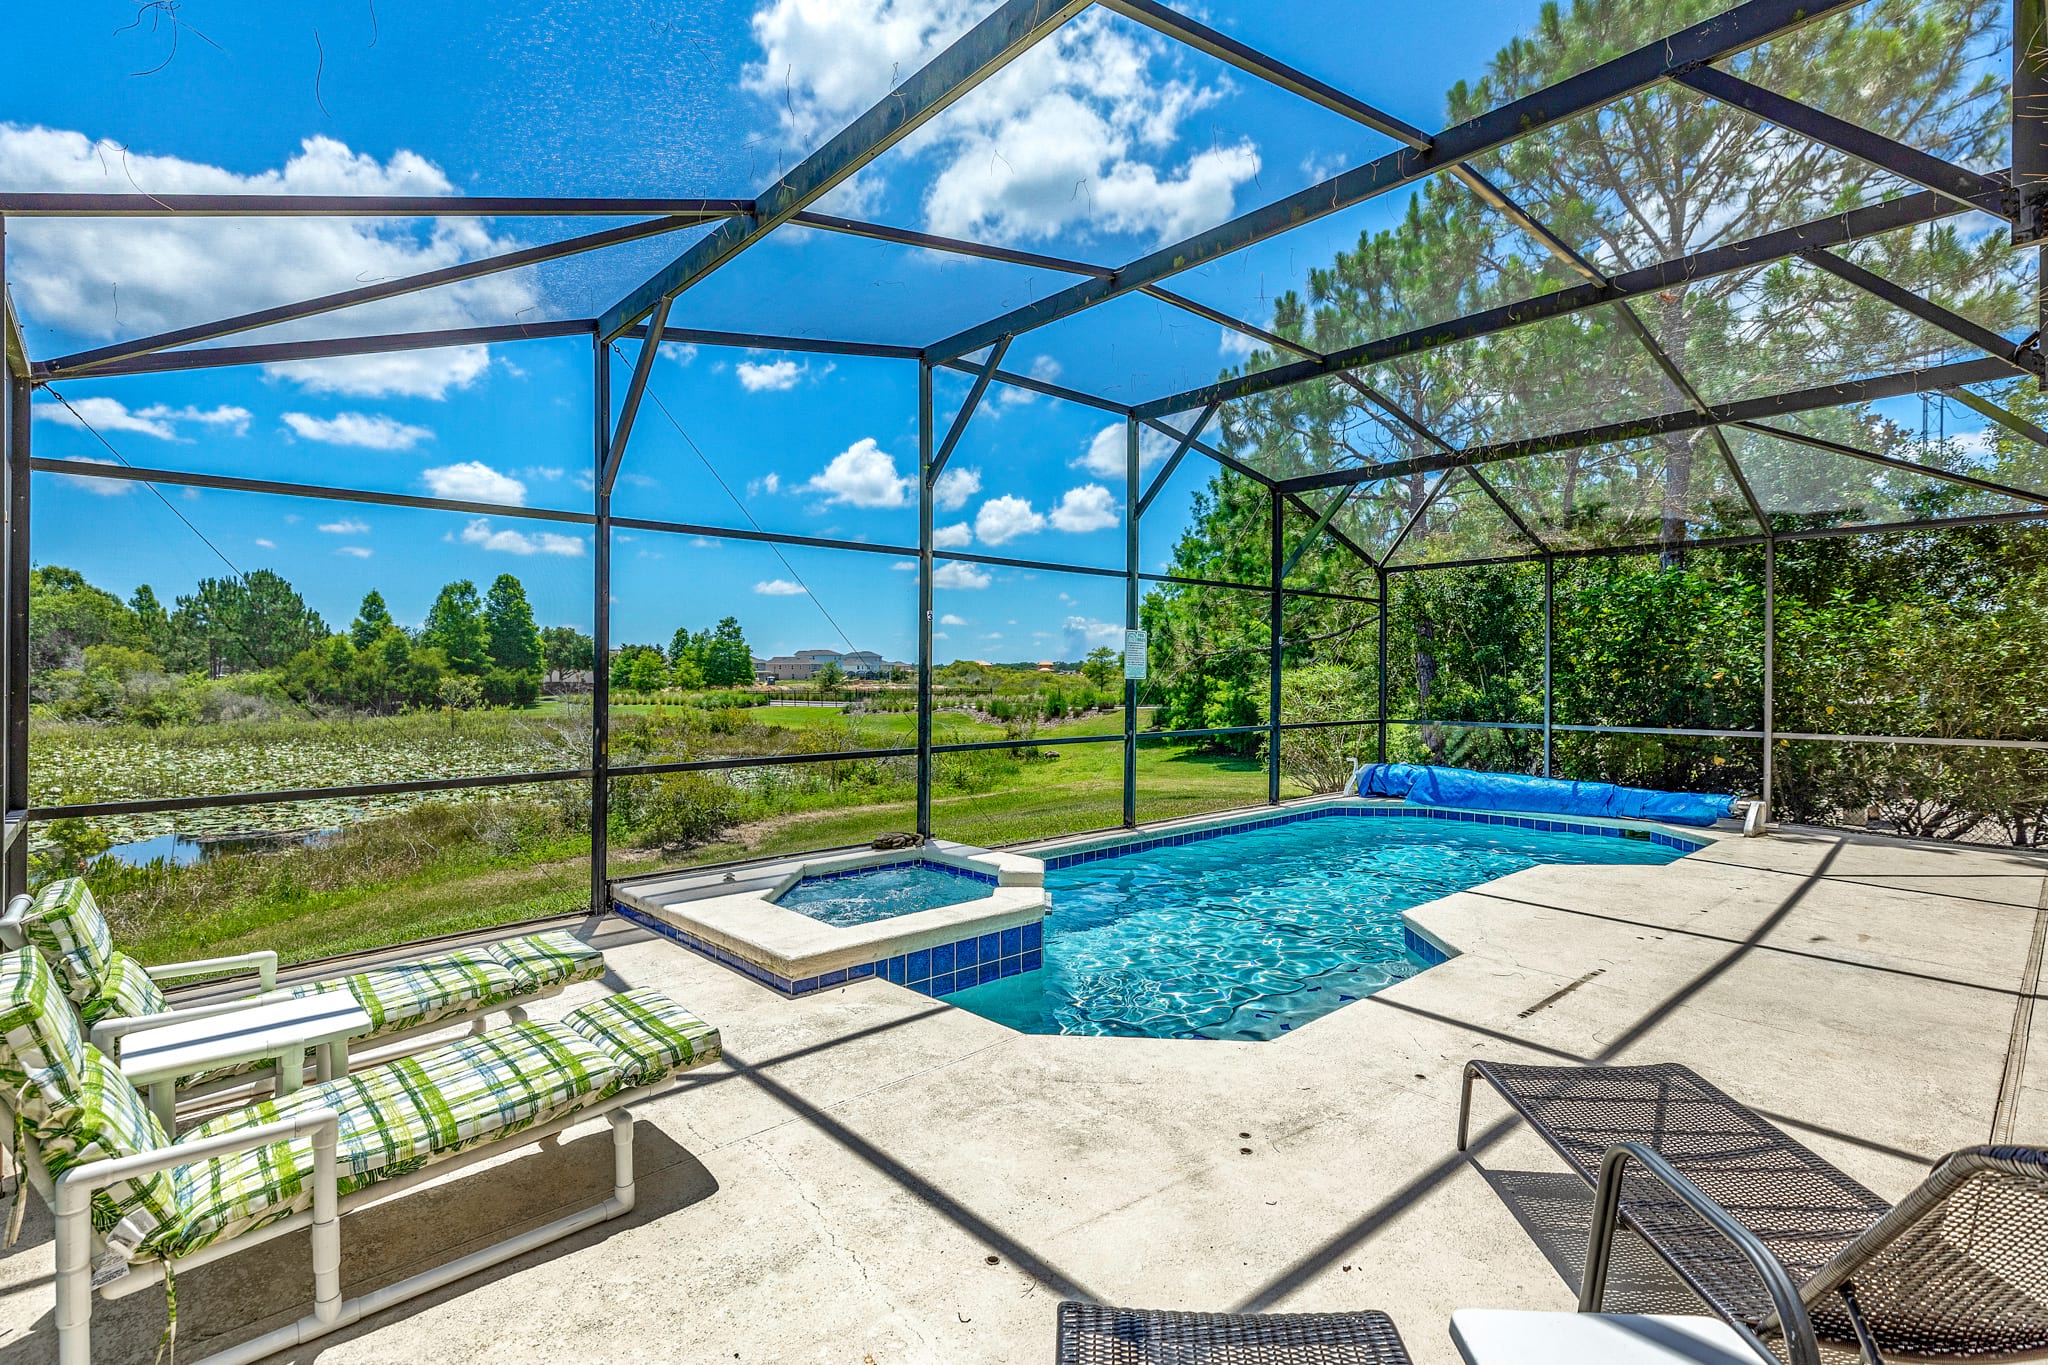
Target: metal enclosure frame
(643, 319)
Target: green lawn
(443, 868)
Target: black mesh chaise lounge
(1090, 1334)
(1779, 1242)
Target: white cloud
(479, 532)
(346, 527)
(1004, 519)
(949, 619)
(954, 487)
(547, 473)
(1042, 367)
(1104, 457)
(958, 536)
(355, 551)
(125, 277)
(357, 429)
(1083, 633)
(863, 475)
(682, 352)
(769, 483)
(1091, 507)
(158, 420)
(474, 481)
(1235, 346)
(774, 376)
(965, 577)
(779, 587)
(265, 544)
(905, 566)
(1075, 134)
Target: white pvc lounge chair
(117, 995)
(132, 1206)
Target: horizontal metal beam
(2025, 359)
(1722, 35)
(952, 246)
(1748, 410)
(982, 51)
(282, 352)
(1960, 183)
(1870, 220)
(37, 205)
(764, 341)
(712, 765)
(1004, 562)
(228, 483)
(160, 804)
(93, 360)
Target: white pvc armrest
(10, 922)
(263, 962)
(78, 1184)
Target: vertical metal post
(1549, 612)
(601, 640)
(1132, 496)
(924, 598)
(2030, 134)
(1276, 552)
(1770, 674)
(14, 414)
(1383, 665)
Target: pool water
(1248, 935)
(864, 895)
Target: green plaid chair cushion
(128, 992)
(544, 961)
(42, 1052)
(109, 1120)
(649, 1034)
(414, 993)
(395, 1119)
(65, 925)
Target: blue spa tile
(836, 977)
(966, 952)
(1012, 966)
(941, 984)
(942, 959)
(918, 965)
(1012, 942)
(1032, 959)
(991, 947)
(862, 972)
(988, 971)
(1034, 935)
(809, 983)
(896, 970)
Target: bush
(510, 687)
(671, 810)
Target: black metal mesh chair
(1090, 1334)
(1958, 1269)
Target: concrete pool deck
(874, 1177)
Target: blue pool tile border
(936, 971)
(1541, 824)
(1422, 950)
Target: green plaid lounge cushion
(128, 992)
(650, 1035)
(395, 1119)
(65, 925)
(108, 1119)
(42, 1052)
(410, 994)
(545, 961)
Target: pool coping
(737, 922)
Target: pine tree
(371, 619)
(514, 639)
(729, 662)
(455, 626)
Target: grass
(443, 867)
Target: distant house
(806, 664)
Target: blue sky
(1102, 144)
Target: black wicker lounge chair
(1779, 1242)
(1093, 1335)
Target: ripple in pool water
(1249, 935)
(880, 893)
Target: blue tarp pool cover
(1423, 785)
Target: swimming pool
(1252, 933)
(863, 895)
